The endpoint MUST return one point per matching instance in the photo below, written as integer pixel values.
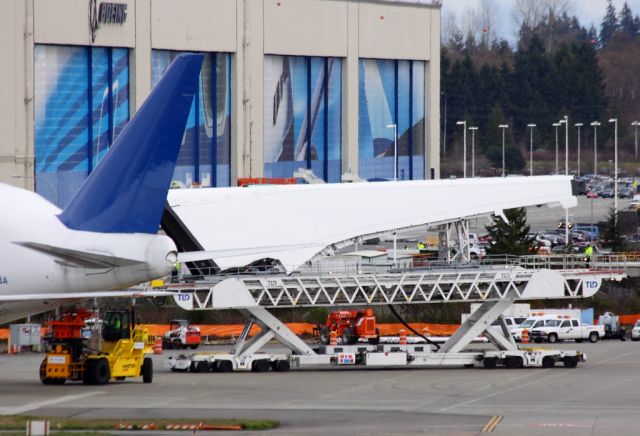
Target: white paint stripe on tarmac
(616, 357)
(495, 394)
(38, 404)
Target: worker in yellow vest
(588, 252)
(421, 247)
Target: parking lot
(599, 397)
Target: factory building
(286, 84)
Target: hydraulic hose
(397, 315)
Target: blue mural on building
(391, 92)
(81, 105)
(209, 139)
(302, 116)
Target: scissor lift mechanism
(496, 287)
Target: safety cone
(333, 338)
(525, 336)
(403, 337)
(157, 346)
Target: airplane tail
(127, 191)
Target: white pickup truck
(566, 329)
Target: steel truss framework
(496, 287)
(419, 287)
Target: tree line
(556, 68)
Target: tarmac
(601, 396)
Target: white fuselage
(29, 218)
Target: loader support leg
(272, 327)
(477, 324)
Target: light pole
(504, 127)
(595, 125)
(578, 125)
(565, 121)
(473, 150)
(556, 125)
(444, 136)
(395, 150)
(464, 148)
(531, 126)
(636, 124)
(615, 169)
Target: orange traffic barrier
(403, 337)
(300, 328)
(333, 338)
(157, 346)
(525, 336)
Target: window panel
(205, 151)
(301, 122)
(391, 92)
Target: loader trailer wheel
(489, 363)
(224, 366)
(548, 362)
(570, 361)
(147, 370)
(280, 365)
(202, 367)
(261, 365)
(513, 362)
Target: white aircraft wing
(81, 258)
(293, 223)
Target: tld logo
(184, 297)
(3, 280)
(591, 284)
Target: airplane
(106, 239)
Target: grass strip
(19, 422)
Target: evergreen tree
(512, 237)
(609, 25)
(627, 22)
(535, 93)
(612, 234)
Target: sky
(587, 11)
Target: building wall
(248, 30)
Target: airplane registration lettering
(3, 280)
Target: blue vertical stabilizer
(127, 191)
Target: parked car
(635, 332)
(591, 230)
(592, 194)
